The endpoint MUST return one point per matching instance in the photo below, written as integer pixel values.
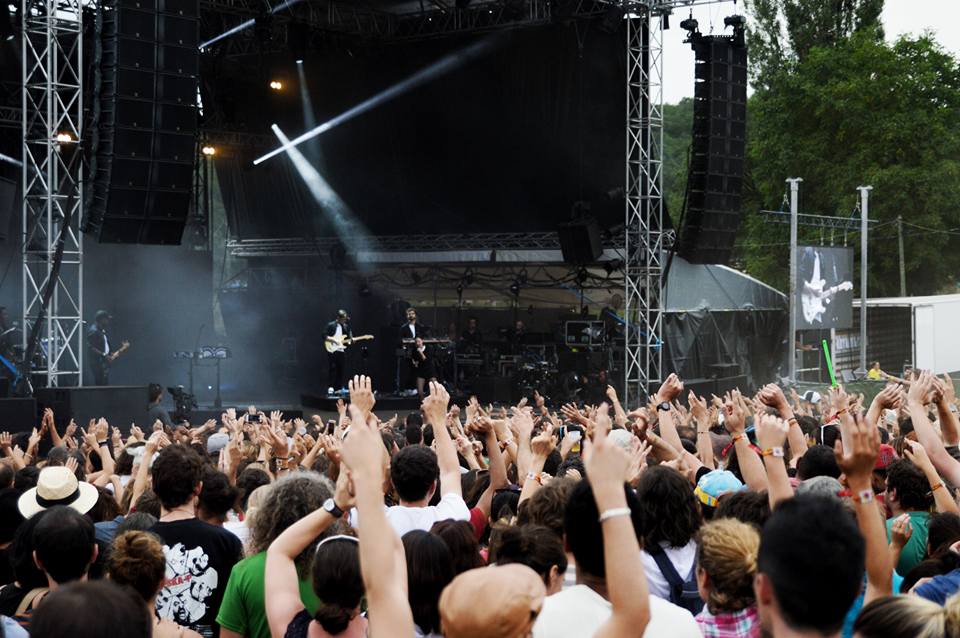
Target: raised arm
(772, 395)
(435, 411)
(281, 582)
(946, 465)
(941, 494)
(949, 425)
(607, 467)
(669, 391)
(771, 435)
(498, 470)
(751, 467)
(701, 419)
(857, 460)
(382, 562)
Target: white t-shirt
(405, 519)
(682, 558)
(579, 612)
(238, 529)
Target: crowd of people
(728, 517)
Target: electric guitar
(110, 358)
(335, 344)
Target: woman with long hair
(336, 577)
(282, 504)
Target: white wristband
(614, 513)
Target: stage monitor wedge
(144, 129)
(715, 178)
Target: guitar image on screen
(339, 344)
(815, 296)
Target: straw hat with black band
(57, 486)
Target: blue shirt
(104, 531)
(939, 588)
(851, 617)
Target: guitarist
(98, 343)
(338, 335)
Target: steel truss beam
(817, 221)
(643, 246)
(348, 19)
(52, 104)
(297, 247)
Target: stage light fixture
(299, 61)
(208, 151)
(276, 85)
(515, 288)
(736, 21)
(690, 25)
(665, 21)
(64, 138)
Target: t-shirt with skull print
(199, 559)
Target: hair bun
(333, 618)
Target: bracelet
(738, 437)
(793, 420)
(776, 452)
(614, 513)
(934, 488)
(699, 432)
(863, 496)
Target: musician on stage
(471, 341)
(338, 333)
(411, 339)
(98, 344)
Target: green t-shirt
(244, 603)
(916, 548)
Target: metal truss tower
(643, 245)
(53, 106)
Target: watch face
(664, 407)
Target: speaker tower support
(53, 105)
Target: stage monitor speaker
(144, 142)
(715, 179)
(493, 389)
(120, 405)
(19, 415)
(580, 241)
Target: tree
(803, 25)
(856, 112)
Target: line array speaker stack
(145, 121)
(719, 140)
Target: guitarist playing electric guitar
(98, 343)
(338, 337)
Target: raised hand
(901, 531)
(606, 464)
(772, 395)
(670, 389)
(71, 464)
(949, 391)
(434, 406)
(698, 408)
(771, 432)
(544, 443)
(734, 418)
(917, 455)
(858, 461)
(921, 389)
(361, 394)
(889, 397)
(332, 448)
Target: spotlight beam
(442, 66)
(351, 232)
(246, 24)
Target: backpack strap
(27, 601)
(668, 570)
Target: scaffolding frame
(643, 236)
(52, 105)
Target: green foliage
(863, 112)
(840, 107)
(677, 132)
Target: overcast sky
(899, 17)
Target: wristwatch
(663, 406)
(330, 506)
